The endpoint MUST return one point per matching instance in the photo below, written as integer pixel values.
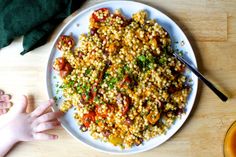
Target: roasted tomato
(66, 71)
(63, 73)
(100, 14)
(93, 92)
(125, 101)
(84, 98)
(125, 80)
(93, 31)
(59, 63)
(111, 108)
(62, 65)
(68, 67)
(101, 112)
(65, 43)
(125, 109)
(88, 118)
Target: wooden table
(210, 26)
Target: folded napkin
(34, 19)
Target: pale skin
(4, 102)
(29, 126)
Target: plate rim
(49, 91)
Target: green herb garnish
(112, 82)
(87, 71)
(145, 62)
(162, 60)
(126, 68)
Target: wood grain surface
(210, 26)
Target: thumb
(21, 105)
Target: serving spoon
(201, 77)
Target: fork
(201, 77)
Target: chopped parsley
(71, 83)
(95, 89)
(97, 121)
(111, 83)
(79, 89)
(106, 75)
(61, 86)
(127, 68)
(96, 99)
(162, 60)
(87, 71)
(55, 98)
(145, 62)
(181, 53)
(57, 91)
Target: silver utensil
(201, 77)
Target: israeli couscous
(121, 78)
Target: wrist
(8, 135)
(7, 141)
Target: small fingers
(21, 105)
(49, 116)
(42, 108)
(44, 136)
(5, 97)
(47, 126)
(1, 92)
(5, 105)
(3, 111)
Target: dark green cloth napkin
(34, 19)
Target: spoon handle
(201, 77)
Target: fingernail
(58, 123)
(7, 105)
(1, 92)
(52, 100)
(55, 137)
(61, 112)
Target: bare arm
(6, 142)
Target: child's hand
(17, 125)
(31, 126)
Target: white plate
(128, 8)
